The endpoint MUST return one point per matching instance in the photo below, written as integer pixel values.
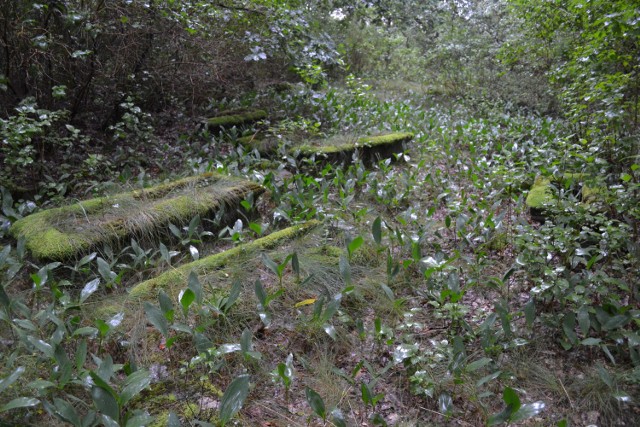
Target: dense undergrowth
(429, 295)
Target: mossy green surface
(367, 143)
(236, 119)
(68, 231)
(540, 195)
(179, 276)
(265, 146)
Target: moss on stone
(179, 276)
(367, 143)
(230, 119)
(68, 231)
(264, 145)
(540, 195)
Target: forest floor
(428, 296)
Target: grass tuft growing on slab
(66, 232)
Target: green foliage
(233, 398)
(588, 50)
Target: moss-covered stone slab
(69, 231)
(232, 118)
(179, 276)
(541, 196)
(265, 145)
(372, 147)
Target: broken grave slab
(340, 149)
(70, 231)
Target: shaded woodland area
(289, 213)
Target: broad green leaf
(366, 395)
(228, 348)
(295, 264)
(87, 259)
(166, 305)
(4, 254)
(583, 319)
(156, 318)
(605, 376)
(6, 382)
(186, 299)
(354, 245)
(41, 385)
(107, 421)
(270, 264)
(233, 398)
(316, 402)
(64, 365)
(81, 354)
(568, 325)
(330, 330)
(331, 309)
(527, 411)
(513, 405)
(20, 402)
(233, 295)
(475, 365)
(88, 331)
(245, 341)
(257, 228)
(202, 342)
(195, 254)
(173, 421)
(134, 384)
(530, 312)
(591, 341)
(388, 292)
(195, 286)
(105, 270)
(44, 347)
(139, 420)
(345, 270)
(337, 418)
(89, 289)
(105, 370)
(376, 230)
(260, 293)
(103, 327)
(4, 298)
(511, 398)
(66, 412)
(615, 322)
(105, 402)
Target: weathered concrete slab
(69, 231)
(372, 147)
(235, 118)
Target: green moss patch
(65, 232)
(378, 146)
(541, 196)
(264, 145)
(235, 118)
(179, 276)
